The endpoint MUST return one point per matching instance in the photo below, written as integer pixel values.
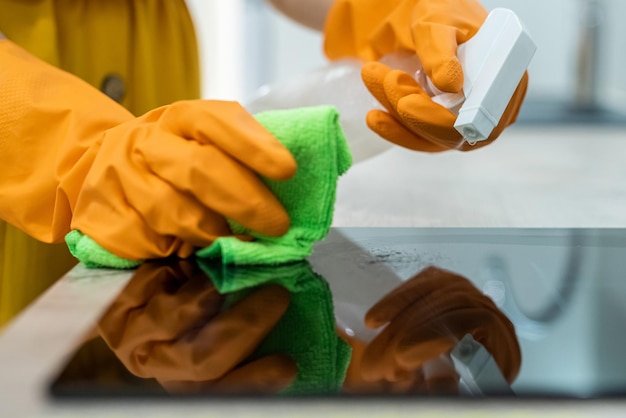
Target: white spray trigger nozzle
(494, 61)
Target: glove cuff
(49, 120)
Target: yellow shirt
(143, 53)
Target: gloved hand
(171, 324)
(431, 29)
(144, 187)
(425, 317)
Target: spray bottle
(493, 62)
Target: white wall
(284, 48)
(246, 43)
(555, 26)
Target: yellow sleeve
(149, 45)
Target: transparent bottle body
(338, 84)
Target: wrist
(350, 26)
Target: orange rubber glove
(171, 324)
(431, 29)
(425, 317)
(144, 187)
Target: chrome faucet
(583, 105)
(588, 59)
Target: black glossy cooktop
(373, 312)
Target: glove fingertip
(383, 124)
(276, 225)
(448, 76)
(283, 221)
(388, 128)
(284, 368)
(374, 318)
(374, 69)
(399, 77)
(260, 212)
(280, 294)
(373, 75)
(283, 167)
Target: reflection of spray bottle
(493, 61)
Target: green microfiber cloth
(306, 332)
(92, 255)
(314, 137)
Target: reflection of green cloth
(306, 332)
(314, 137)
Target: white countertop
(531, 177)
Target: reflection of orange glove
(170, 324)
(443, 381)
(425, 317)
(432, 29)
(140, 187)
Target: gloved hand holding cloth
(431, 29)
(316, 142)
(142, 187)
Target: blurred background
(579, 62)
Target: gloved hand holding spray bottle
(494, 62)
